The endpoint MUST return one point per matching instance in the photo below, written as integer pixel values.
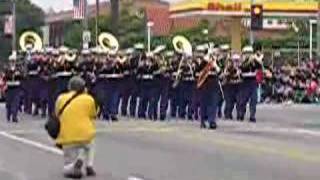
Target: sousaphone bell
(30, 41)
(108, 42)
(182, 45)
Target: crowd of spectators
(292, 84)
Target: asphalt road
(283, 145)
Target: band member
(249, 67)
(114, 75)
(44, 74)
(209, 87)
(13, 78)
(126, 81)
(147, 88)
(186, 88)
(200, 52)
(86, 68)
(137, 56)
(32, 84)
(99, 91)
(173, 90)
(231, 81)
(224, 55)
(164, 83)
(64, 72)
(52, 81)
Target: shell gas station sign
(284, 8)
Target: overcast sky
(58, 5)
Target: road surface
(283, 145)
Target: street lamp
(311, 23)
(296, 30)
(150, 24)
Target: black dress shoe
(114, 118)
(90, 172)
(213, 126)
(15, 120)
(203, 126)
(253, 120)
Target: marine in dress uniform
(249, 85)
(209, 91)
(32, 84)
(173, 88)
(44, 74)
(13, 78)
(185, 89)
(147, 88)
(113, 73)
(231, 81)
(164, 83)
(52, 81)
(63, 73)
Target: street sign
(86, 39)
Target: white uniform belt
(188, 79)
(63, 74)
(175, 74)
(33, 73)
(147, 77)
(212, 73)
(110, 76)
(126, 72)
(13, 83)
(249, 74)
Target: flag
(8, 26)
(79, 9)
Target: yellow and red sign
(242, 7)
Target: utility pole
(97, 19)
(14, 34)
(251, 32)
(85, 25)
(318, 31)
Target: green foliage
(28, 17)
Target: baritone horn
(108, 42)
(30, 41)
(182, 45)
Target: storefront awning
(283, 8)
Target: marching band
(190, 84)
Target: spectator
(77, 130)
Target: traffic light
(256, 17)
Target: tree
(115, 13)
(28, 17)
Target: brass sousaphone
(30, 41)
(182, 45)
(108, 42)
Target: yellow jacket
(77, 120)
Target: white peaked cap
(225, 47)
(247, 49)
(139, 46)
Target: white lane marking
(134, 178)
(282, 130)
(32, 143)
